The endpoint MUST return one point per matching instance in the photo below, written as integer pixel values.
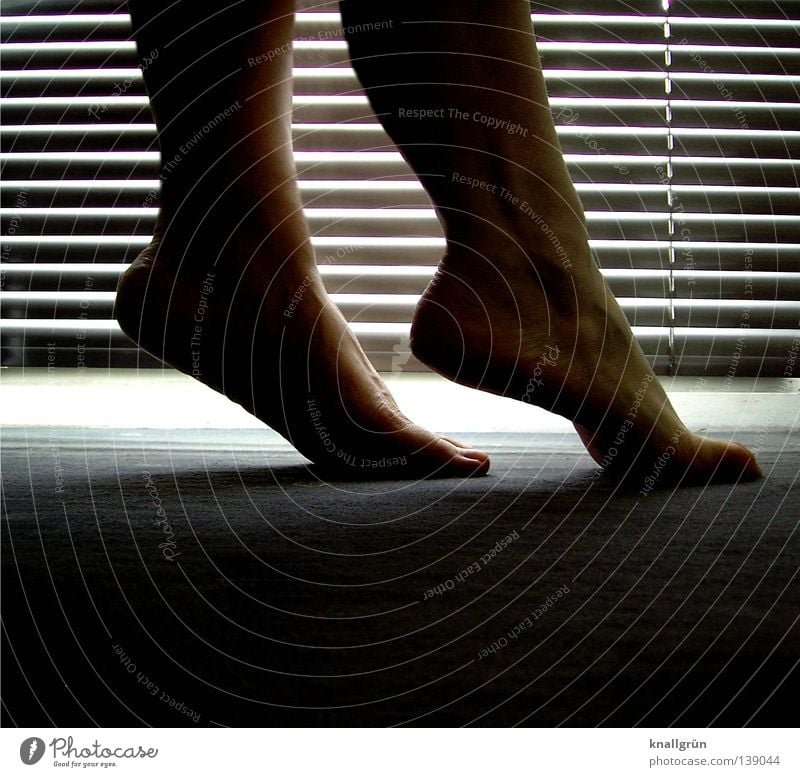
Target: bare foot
(549, 332)
(266, 335)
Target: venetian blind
(680, 122)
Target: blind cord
(671, 205)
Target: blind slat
(683, 139)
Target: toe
(738, 462)
(720, 462)
(451, 458)
(474, 458)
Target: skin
(228, 291)
(518, 306)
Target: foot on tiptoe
(265, 333)
(543, 327)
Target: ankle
(549, 232)
(549, 254)
(231, 223)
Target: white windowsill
(168, 400)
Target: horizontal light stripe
(733, 160)
(694, 244)
(760, 78)
(342, 100)
(109, 296)
(109, 45)
(603, 75)
(402, 242)
(718, 275)
(383, 298)
(139, 212)
(66, 73)
(325, 72)
(696, 188)
(322, 73)
(88, 240)
(587, 130)
(60, 325)
(411, 271)
(21, 102)
(326, 17)
(364, 127)
(325, 99)
(82, 156)
(681, 48)
(359, 127)
(596, 47)
(335, 45)
(367, 186)
(140, 184)
(76, 19)
(733, 104)
(57, 296)
(385, 156)
(544, 46)
(319, 45)
(76, 129)
(109, 326)
(414, 214)
(378, 242)
(711, 132)
(737, 217)
(78, 268)
(746, 22)
(147, 184)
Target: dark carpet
(207, 578)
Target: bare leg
(518, 307)
(228, 291)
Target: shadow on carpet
(208, 578)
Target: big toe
(464, 458)
(444, 457)
(739, 462)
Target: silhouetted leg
(228, 291)
(518, 306)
